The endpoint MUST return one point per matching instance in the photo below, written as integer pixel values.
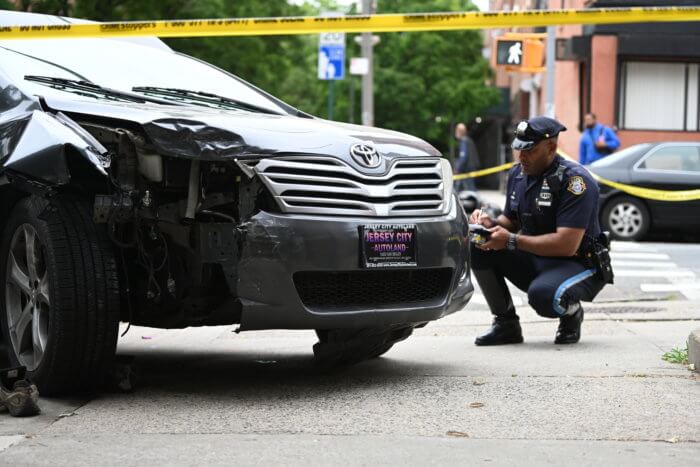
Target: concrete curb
(694, 349)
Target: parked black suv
(144, 186)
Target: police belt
(595, 253)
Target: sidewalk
(211, 396)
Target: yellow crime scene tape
(483, 172)
(646, 193)
(639, 192)
(353, 23)
(380, 23)
(650, 193)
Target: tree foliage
(423, 80)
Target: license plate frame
(388, 245)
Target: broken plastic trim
(246, 167)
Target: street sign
(359, 66)
(331, 56)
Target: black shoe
(569, 331)
(503, 331)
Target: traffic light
(519, 52)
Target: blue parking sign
(331, 56)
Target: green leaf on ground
(676, 356)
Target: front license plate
(388, 246)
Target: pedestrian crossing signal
(509, 53)
(524, 54)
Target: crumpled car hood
(212, 134)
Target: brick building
(642, 78)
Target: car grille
(329, 186)
(324, 290)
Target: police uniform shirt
(539, 208)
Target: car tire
(71, 292)
(626, 218)
(338, 347)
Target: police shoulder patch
(576, 185)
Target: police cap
(530, 132)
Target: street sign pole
(534, 97)
(551, 63)
(368, 78)
(358, 66)
(351, 99)
(330, 98)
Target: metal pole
(549, 110)
(351, 98)
(533, 97)
(502, 160)
(330, 98)
(367, 79)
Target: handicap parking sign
(331, 56)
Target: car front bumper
(290, 265)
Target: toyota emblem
(366, 154)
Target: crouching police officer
(547, 241)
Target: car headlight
(447, 182)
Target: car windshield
(122, 65)
(615, 157)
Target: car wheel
(60, 295)
(626, 218)
(350, 346)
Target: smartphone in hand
(478, 234)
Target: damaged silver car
(144, 186)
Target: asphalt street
(211, 396)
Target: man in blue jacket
(597, 141)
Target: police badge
(576, 185)
(521, 128)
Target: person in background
(467, 158)
(597, 141)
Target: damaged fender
(35, 144)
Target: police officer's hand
(480, 217)
(498, 239)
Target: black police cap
(530, 132)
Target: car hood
(213, 134)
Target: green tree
(262, 60)
(52, 7)
(425, 80)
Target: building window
(659, 96)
